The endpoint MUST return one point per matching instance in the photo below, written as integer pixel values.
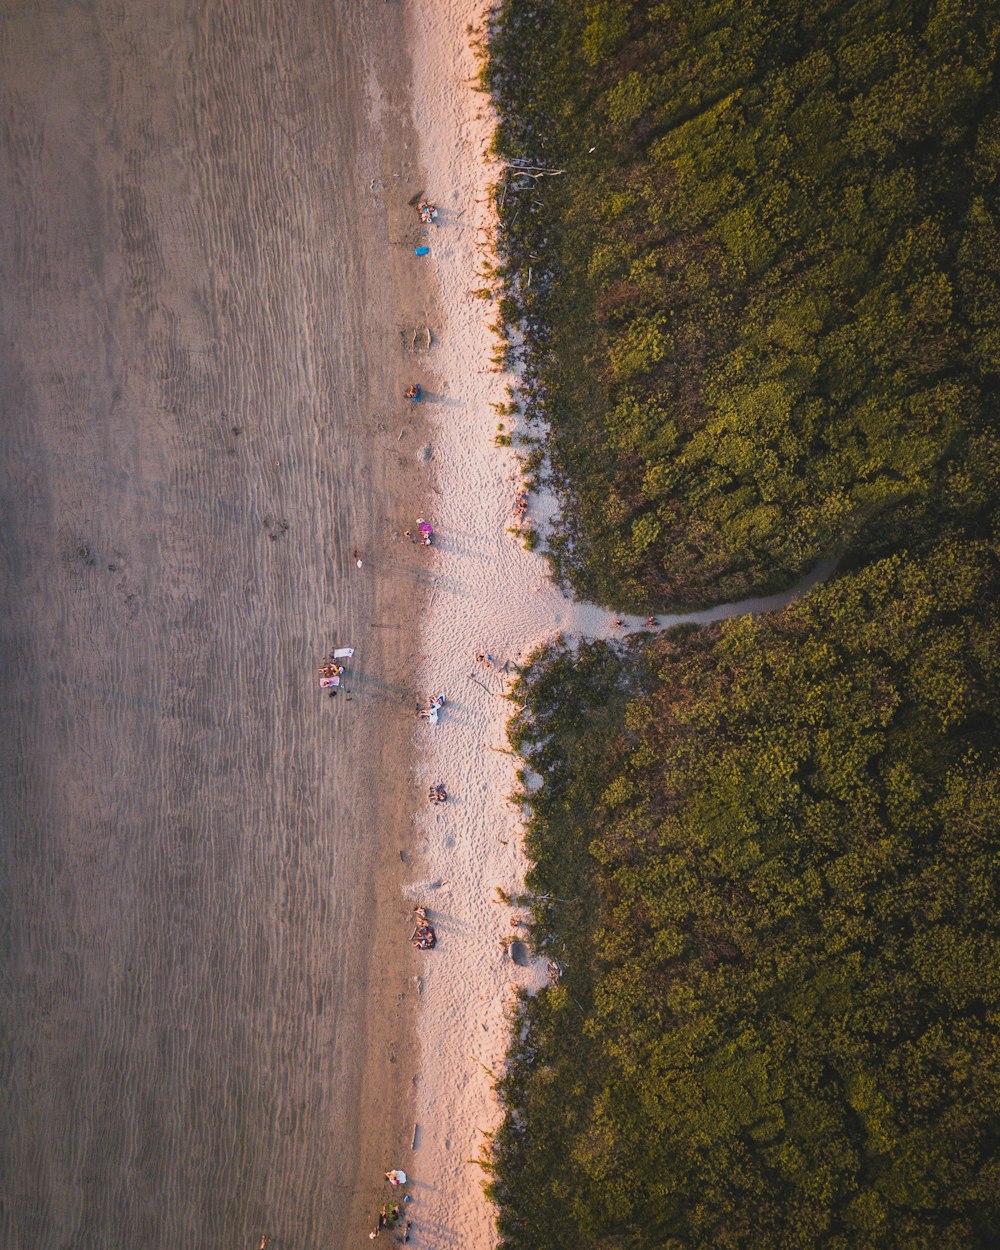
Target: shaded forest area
(761, 301)
(761, 315)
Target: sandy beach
(206, 994)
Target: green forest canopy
(767, 326)
(762, 317)
(773, 846)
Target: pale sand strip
(492, 596)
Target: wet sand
(205, 992)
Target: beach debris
(416, 338)
(275, 527)
(421, 251)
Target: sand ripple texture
(186, 844)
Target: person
(650, 622)
(407, 535)
(406, 1230)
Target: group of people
(330, 674)
(391, 1217)
(413, 392)
(437, 793)
(425, 533)
(521, 503)
(423, 936)
(427, 211)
